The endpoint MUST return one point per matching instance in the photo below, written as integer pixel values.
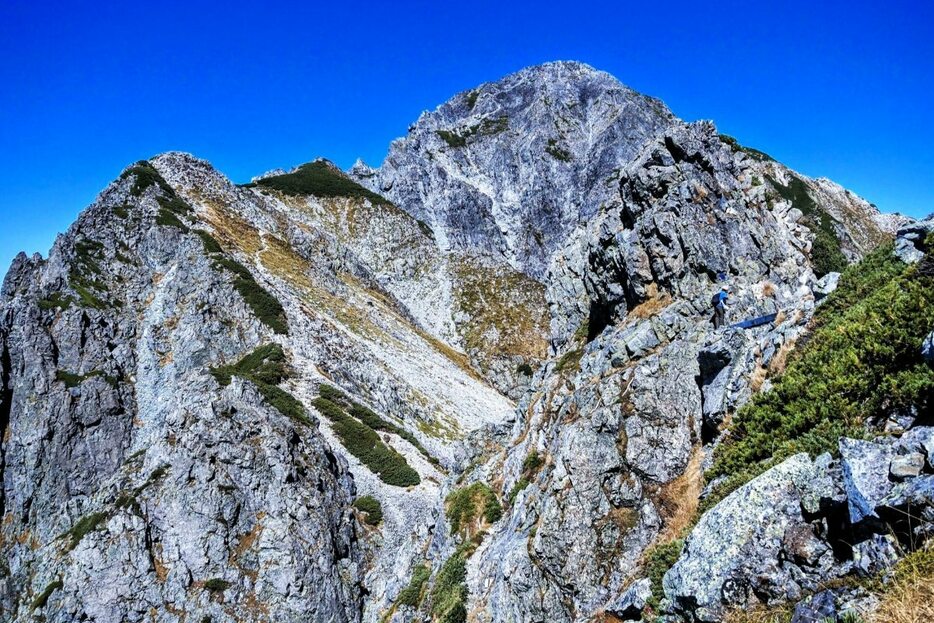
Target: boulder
(865, 475)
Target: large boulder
(754, 544)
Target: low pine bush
(371, 507)
(364, 443)
(320, 179)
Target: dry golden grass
(760, 614)
(651, 306)
(768, 289)
(909, 596)
(678, 500)
(757, 378)
(777, 365)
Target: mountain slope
(480, 380)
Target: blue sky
(837, 89)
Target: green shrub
(83, 527)
(145, 176)
(122, 211)
(73, 380)
(471, 98)
(263, 304)
(453, 139)
(658, 560)
(755, 154)
(265, 367)
(532, 463)
(168, 219)
(320, 179)
(524, 368)
(414, 592)
(465, 505)
(364, 443)
(56, 300)
(210, 244)
(371, 419)
(449, 594)
(43, 598)
(216, 585)
(826, 255)
(371, 507)
(861, 362)
(557, 152)
(333, 394)
(521, 484)
(174, 204)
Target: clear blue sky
(837, 89)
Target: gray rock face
(910, 239)
(736, 548)
(538, 287)
(509, 169)
(803, 522)
(129, 475)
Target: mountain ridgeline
(478, 383)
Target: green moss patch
(216, 585)
(364, 443)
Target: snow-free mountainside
(478, 383)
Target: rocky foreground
(478, 383)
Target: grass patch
(265, 367)
(263, 304)
(468, 507)
(371, 508)
(908, 596)
(364, 443)
(320, 179)
(168, 219)
(570, 361)
(861, 362)
(43, 598)
(826, 255)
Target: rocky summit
(481, 382)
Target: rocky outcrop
(803, 522)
